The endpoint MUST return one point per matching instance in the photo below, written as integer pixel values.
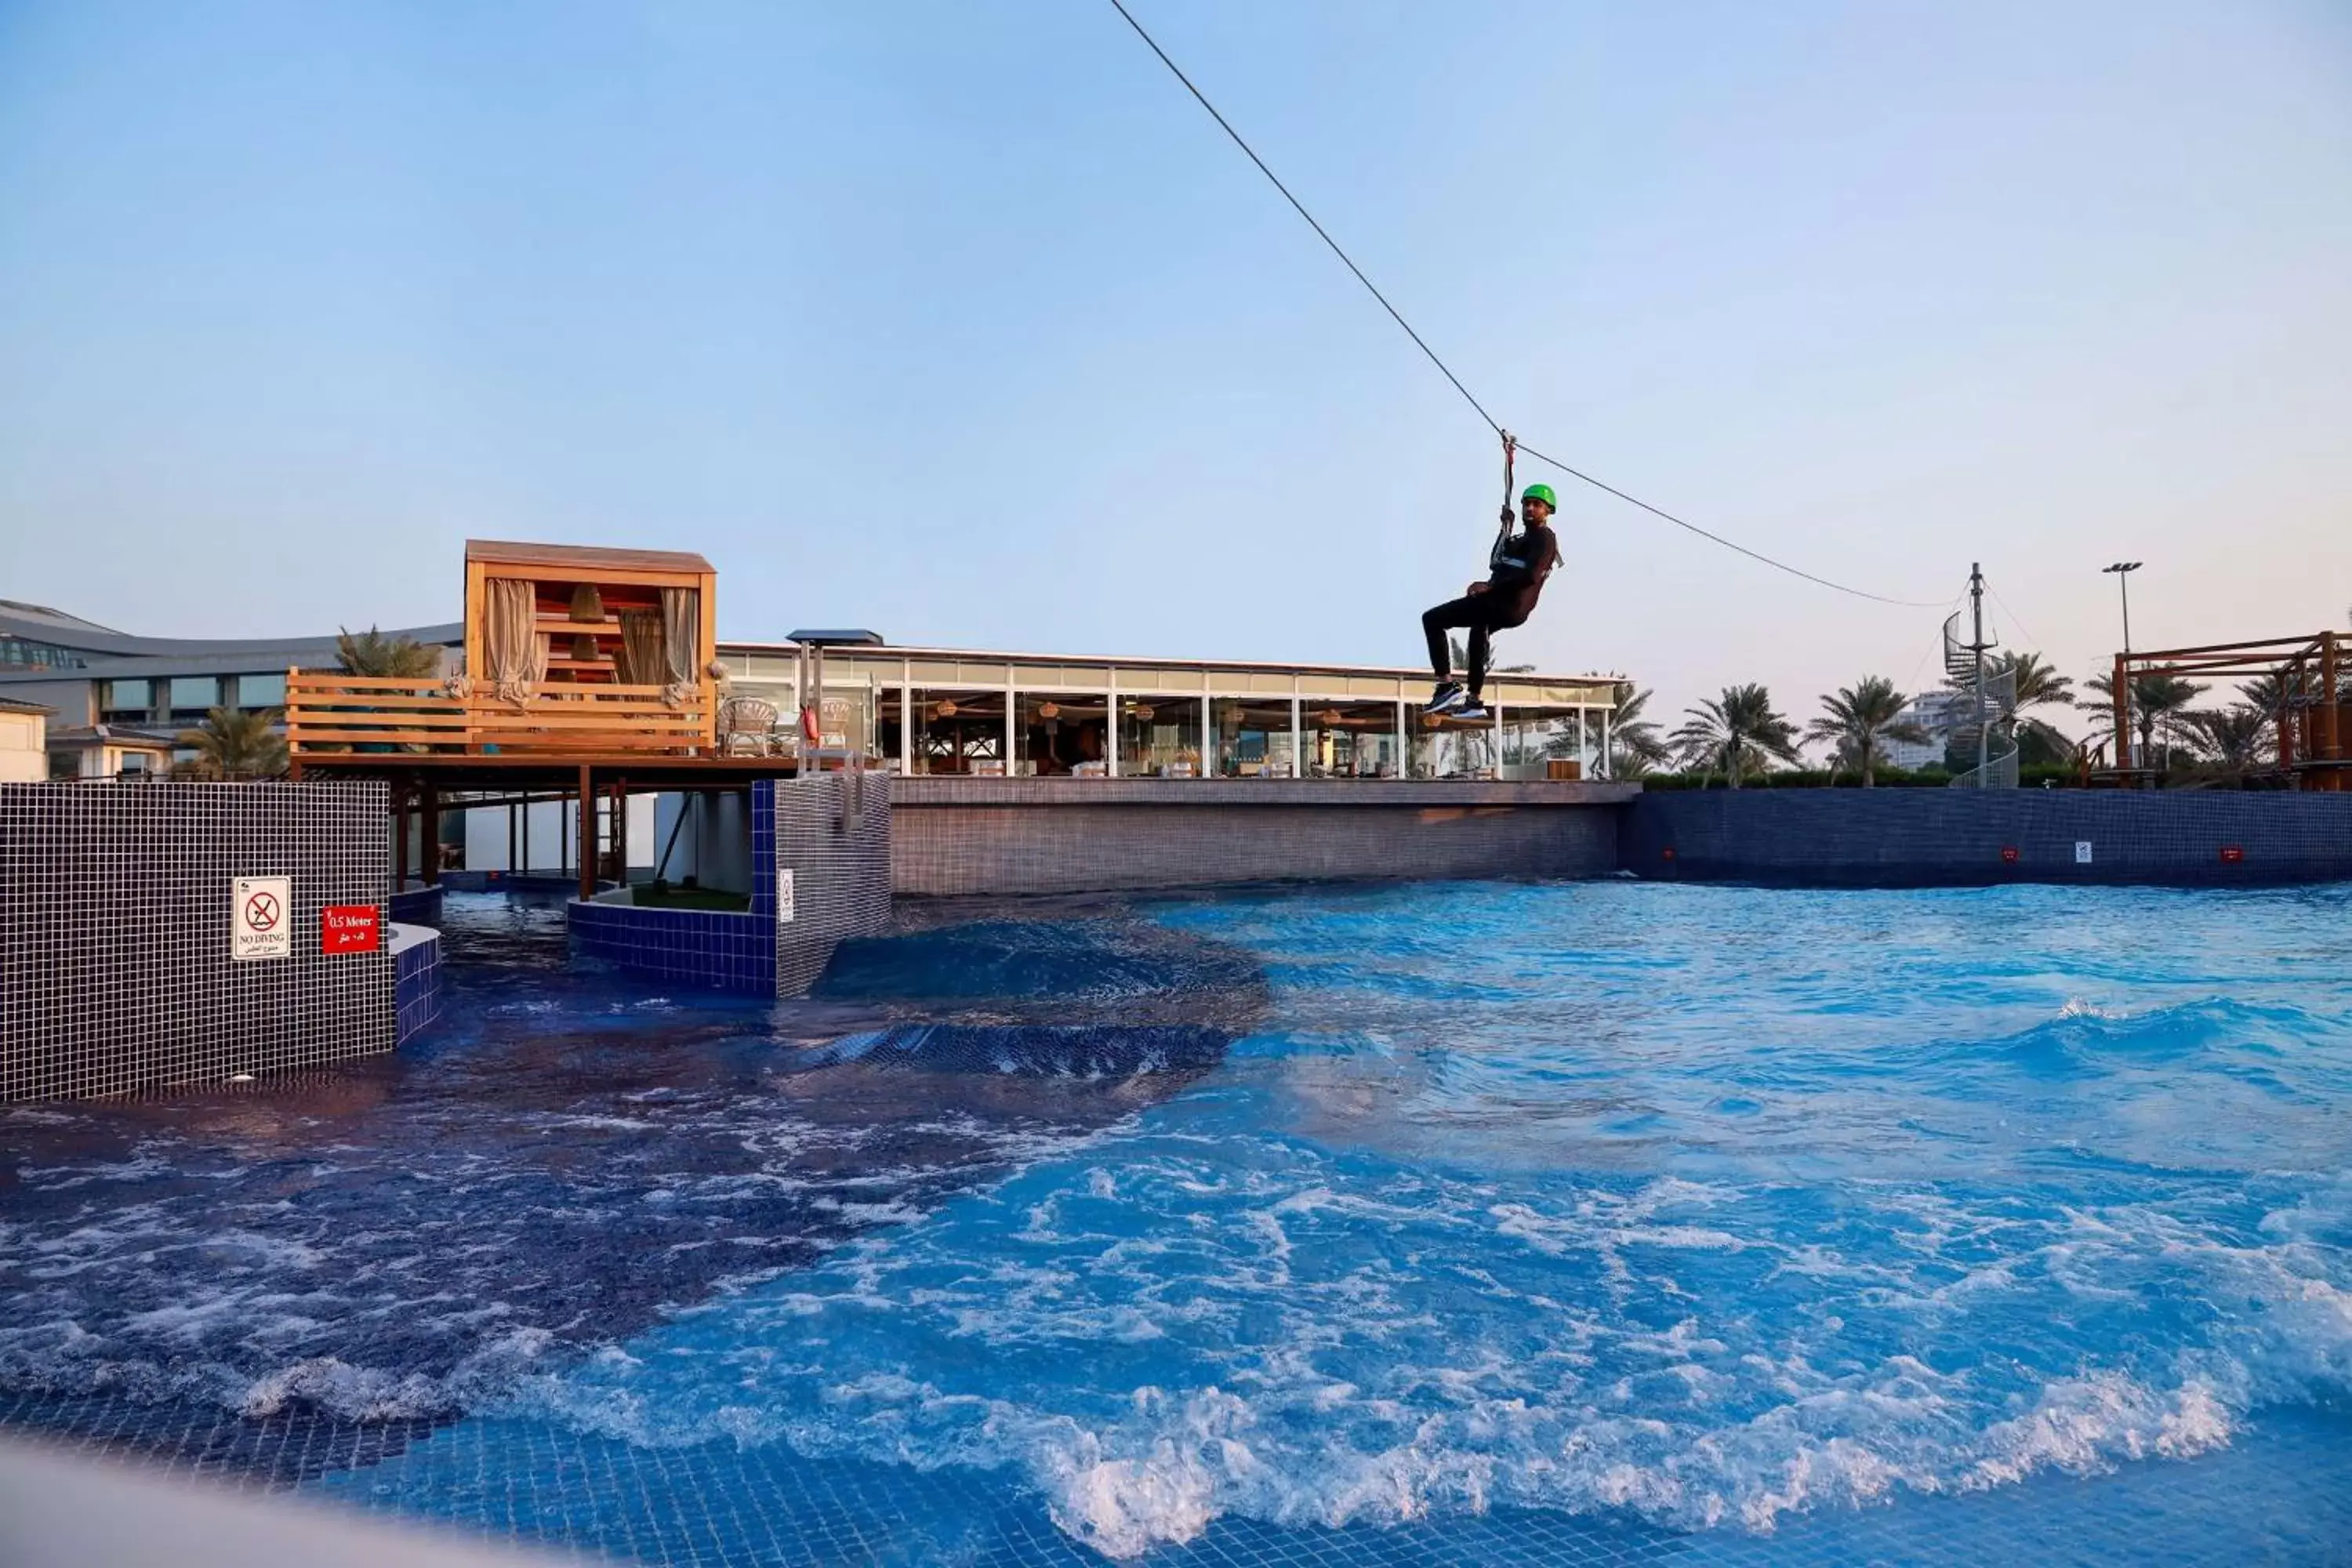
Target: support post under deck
(428, 833)
(399, 837)
(587, 834)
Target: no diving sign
(261, 918)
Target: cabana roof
(585, 558)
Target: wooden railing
(331, 714)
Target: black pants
(1483, 615)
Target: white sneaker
(1471, 709)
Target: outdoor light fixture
(2123, 571)
(1141, 712)
(943, 710)
(1049, 711)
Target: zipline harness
(1503, 534)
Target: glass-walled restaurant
(942, 711)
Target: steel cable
(1444, 370)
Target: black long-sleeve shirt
(1521, 564)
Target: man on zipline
(1519, 562)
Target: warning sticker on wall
(2082, 852)
(261, 918)
(785, 895)
(349, 928)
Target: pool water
(1594, 1221)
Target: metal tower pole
(1976, 601)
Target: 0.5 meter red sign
(349, 928)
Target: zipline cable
(1321, 232)
(2015, 619)
(1727, 544)
(1443, 369)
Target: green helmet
(1539, 492)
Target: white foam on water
(1296, 1361)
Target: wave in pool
(1500, 1209)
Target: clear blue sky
(962, 322)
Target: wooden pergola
(2310, 718)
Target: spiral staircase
(1996, 718)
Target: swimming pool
(1433, 1224)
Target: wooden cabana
(565, 615)
(569, 651)
(588, 674)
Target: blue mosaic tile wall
(416, 906)
(1949, 837)
(416, 978)
(718, 948)
(832, 831)
(115, 920)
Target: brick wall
(955, 836)
(1893, 837)
(115, 920)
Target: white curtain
(511, 645)
(643, 660)
(681, 610)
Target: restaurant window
(958, 731)
(1341, 740)
(1542, 742)
(1253, 736)
(1059, 734)
(1160, 737)
(1532, 737)
(845, 718)
(890, 725)
(1453, 750)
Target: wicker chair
(746, 727)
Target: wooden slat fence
(328, 713)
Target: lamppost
(2123, 571)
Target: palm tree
(1858, 716)
(2037, 681)
(2266, 691)
(1634, 747)
(370, 652)
(234, 744)
(2036, 684)
(2157, 702)
(2235, 737)
(1736, 733)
